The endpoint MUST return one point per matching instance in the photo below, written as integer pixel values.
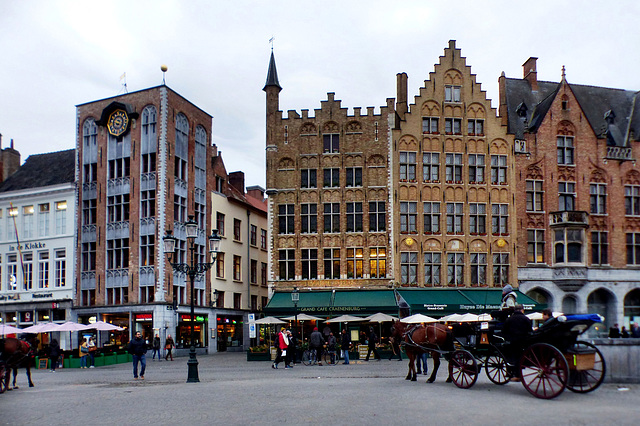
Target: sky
(57, 54)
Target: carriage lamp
(192, 269)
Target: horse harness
(409, 335)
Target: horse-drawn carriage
(550, 360)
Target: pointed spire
(564, 74)
(272, 75)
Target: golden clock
(118, 122)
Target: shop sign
(144, 317)
(186, 317)
(41, 295)
(331, 309)
(28, 246)
(435, 307)
(9, 297)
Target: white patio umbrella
(102, 326)
(380, 317)
(72, 326)
(451, 318)
(270, 320)
(9, 329)
(485, 317)
(469, 318)
(302, 317)
(44, 327)
(345, 318)
(418, 319)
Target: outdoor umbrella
(8, 329)
(380, 318)
(418, 319)
(469, 318)
(269, 321)
(345, 318)
(72, 326)
(102, 326)
(302, 318)
(485, 317)
(451, 318)
(44, 327)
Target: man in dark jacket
(138, 348)
(372, 339)
(515, 331)
(316, 341)
(346, 345)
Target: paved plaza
(233, 391)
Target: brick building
(578, 193)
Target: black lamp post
(192, 269)
(295, 297)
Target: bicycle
(310, 357)
(331, 357)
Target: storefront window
(230, 332)
(44, 316)
(117, 338)
(183, 332)
(59, 315)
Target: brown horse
(16, 354)
(418, 339)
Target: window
(220, 265)
(308, 178)
(43, 269)
(632, 200)
(476, 168)
(181, 147)
(408, 217)
(452, 93)
(568, 245)
(237, 229)
(354, 217)
(220, 223)
(475, 127)
(535, 246)
(89, 214)
(60, 267)
(331, 217)
(88, 298)
(287, 264)
(61, 217)
(378, 262)
(500, 219)
(308, 218)
(454, 218)
(237, 268)
(237, 301)
(432, 268)
(263, 239)
(453, 168)
(179, 208)
(88, 256)
(599, 248)
(431, 167)
(147, 250)
(566, 196)
(355, 262)
(431, 218)
(455, 268)
(331, 178)
(148, 203)
(119, 168)
(27, 222)
(498, 169)
(598, 198)
(633, 248)
(148, 163)
(118, 208)
(430, 125)
(377, 216)
(12, 272)
(407, 166)
(332, 263)
(500, 269)
(409, 267)
(27, 269)
(253, 273)
(263, 274)
(286, 218)
(477, 219)
(309, 258)
(90, 151)
(354, 176)
(478, 269)
(253, 236)
(534, 196)
(565, 150)
(453, 126)
(331, 143)
(117, 296)
(118, 253)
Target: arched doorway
(541, 295)
(632, 307)
(569, 305)
(602, 302)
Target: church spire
(272, 75)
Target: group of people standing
(615, 332)
(87, 350)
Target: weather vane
(123, 78)
(271, 41)
(164, 69)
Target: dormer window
(521, 110)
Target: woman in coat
(83, 351)
(169, 344)
(54, 354)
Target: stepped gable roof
(272, 74)
(526, 109)
(40, 170)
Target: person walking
(169, 344)
(283, 343)
(373, 340)
(291, 350)
(345, 343)
(156, 347)
(54, 354)
(83, 351)
(138, 348)
(331, 348)
(395, 349)
(92, 352)
(316, 342)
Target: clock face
(118, 122)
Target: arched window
(569, 305)
(602, 302)
(632, 306)
(148, 134)
(568, 246)
(89, 150)
(182, 146)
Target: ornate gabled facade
(452, 176)
(578, 193)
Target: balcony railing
(570, 217)
(619, 153)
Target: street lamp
(295, 297)
(192, 269)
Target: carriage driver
(509, 297)
(515, 331)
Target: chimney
(401, 89)
(236, 179)
(530, 74)
(256, 192)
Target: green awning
(311, 302)
(364, 302)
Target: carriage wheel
(496, 367)
(543, 370)
(583, 381)
(463, 369)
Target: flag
(15, 226)
(123, 76)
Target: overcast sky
(57, 54)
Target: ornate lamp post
(295, 297)
(192, 269)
